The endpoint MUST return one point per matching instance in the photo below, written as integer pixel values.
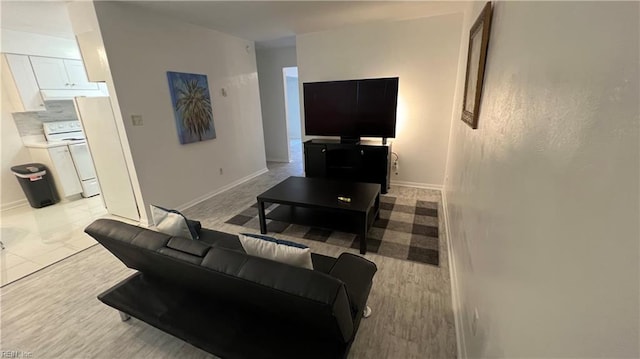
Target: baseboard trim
(227, 187)
(417, 185)
(14, 204)
(453, 277)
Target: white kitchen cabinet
(58, 160)
(50, 73)
(21, 84)
(60, 74)
(63, 163)
(78, 76)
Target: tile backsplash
(30, 123)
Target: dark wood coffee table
(314, 202)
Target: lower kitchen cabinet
(58, 160)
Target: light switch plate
(136, 120)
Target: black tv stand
(362, 161)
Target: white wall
(542, 199)
(20, 42)
(13, 153)
(86, 28)
(270, 64)
(424, 54)
(293, 107)
(141, 47)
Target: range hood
(48, 95)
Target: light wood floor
(54, 313)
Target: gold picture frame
(476, 60)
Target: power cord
(396, 166)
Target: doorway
(292, 112)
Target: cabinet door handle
(324, 150)
(67, 84)
(41, 105)
(362, 152)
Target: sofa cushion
(278, 250)
(225, 329)
(322, 263)
(174, 223)
(220, 239)
(192, 247)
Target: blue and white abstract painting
(191, 106)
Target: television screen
(353, 108)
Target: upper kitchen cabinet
(21, 83)
(78, 75)
(60, 74)
(31, 80)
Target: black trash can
(37, 184)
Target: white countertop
(44, 144)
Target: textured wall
(543, 197)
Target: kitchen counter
(44, 144)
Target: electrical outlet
(221, 172)
(136, 120)
(474, 322)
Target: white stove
(71, 133)
(63, 131)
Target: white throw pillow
(172, 222)
(278, 250)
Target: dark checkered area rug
(407, 229)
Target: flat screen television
(351, 109)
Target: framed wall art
(191, 102)
(476, 60)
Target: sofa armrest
(357, 274)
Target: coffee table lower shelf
(325, 218)
(313, 217)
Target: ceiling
(275, 23)
(40, 17)
(269, 23)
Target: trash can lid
(28, 168)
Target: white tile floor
(36, 238)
